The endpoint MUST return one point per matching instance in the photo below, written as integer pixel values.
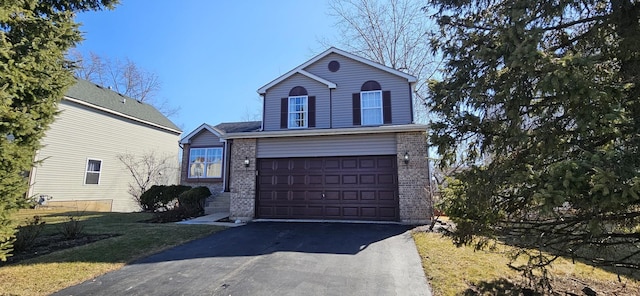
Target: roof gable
(300, 69)
(224, 128)
(98, 97)
(196, 131)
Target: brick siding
(416, 205)
(243, 179)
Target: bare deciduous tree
(394, 33)
(148, 169)
(124, 77)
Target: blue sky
(211, 56)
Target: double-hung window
(298, 112)
(205, 162)
(92, 173)
(371, 107)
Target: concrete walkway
(212, 219)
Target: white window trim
(86, 170)
(362, 108)
(204, 164)
(305, 112)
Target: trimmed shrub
(160, 196)
(192, 201)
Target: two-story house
(78, 163)
(337, 142)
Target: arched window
(298, 110)
(370, 85)
(371, 103)
(298, 91)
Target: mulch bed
(51, 243)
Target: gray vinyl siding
(372, 144)
(350, 77)
(281, 90)
(205, 138)
(79, 133)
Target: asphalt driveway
(266, 258)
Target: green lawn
(52, 272)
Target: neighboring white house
(79, 165)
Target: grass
(52, 272)
(464, 271)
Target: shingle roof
(239, 127)
(99, 96)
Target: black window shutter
(311, 101)
(356, 109)
(284, 112)
(386, 107)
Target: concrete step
(218, 204)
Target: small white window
(298, 112)
(371, 107)
(92, 174)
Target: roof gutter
(329, 131)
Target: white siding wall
(80, 133)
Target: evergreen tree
(541, 100)
(34, 37)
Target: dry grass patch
(464, 271)
(52, 272)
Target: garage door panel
(298, 180)
(384, 179)
(367, 195)
(315, 179)
(281, 180)
(349, 164)
(280, 195)
(368, 179)
(332, 195)
(388, 213)
(349, 179)
(352, 188)
(332, 179)
(314, 195)
(350, 212)
(369, 212)
(350, 195)
(367, 163)
(386, 195)
(280, 165)
(386, 163)
(331, 164)
(313, 212)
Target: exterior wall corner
(243, 180)
(416, 205)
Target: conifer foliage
(34, 37)
(541, 100)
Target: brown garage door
(350, 188)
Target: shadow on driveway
(263, 238)
(276, 258)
